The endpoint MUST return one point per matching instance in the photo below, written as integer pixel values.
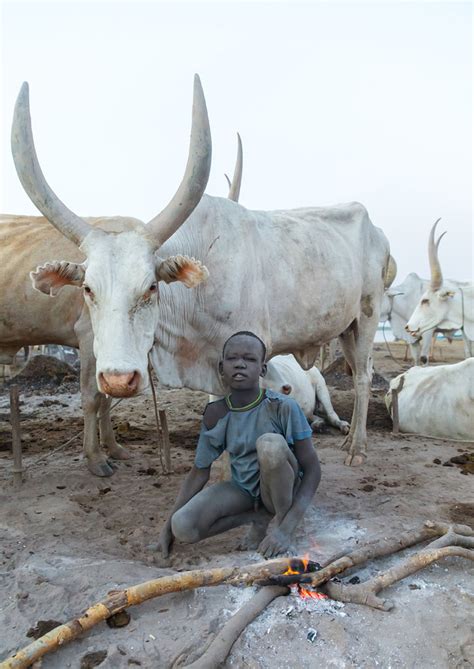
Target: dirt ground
(67, 538)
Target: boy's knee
(184, 528)
(272, 450)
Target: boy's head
(243, 360)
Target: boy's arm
(278, 537)
(194, 482)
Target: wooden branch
(449, 545)
(217, 651)
(118, 600)
(16, 437)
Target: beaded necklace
(253, 404)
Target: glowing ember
(310, 594)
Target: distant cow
(447, 305)
(308, 388)
(398, 305)
(436, 401)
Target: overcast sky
(334, 102)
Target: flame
(290, 571)
(304, 593)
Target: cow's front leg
(357, 345)
(106, 431)
(97, 463)
(356, 441)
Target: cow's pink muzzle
(119, 385)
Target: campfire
(444, 541)
(297, 588)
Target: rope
(66, 443)
(157, 420)
(388, 347)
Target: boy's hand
(165, 540)
(276, 541)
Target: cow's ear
(50, 278)
(446, 294)
(188, 270)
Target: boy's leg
(216, 509)
(278, 474)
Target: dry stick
(366, 593)
(16, 437)
(216, 653)
(395, 412)
(166, 439)
(118, 600)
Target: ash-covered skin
(288, 478)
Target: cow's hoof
(100, 468)
(355, 460)
(344, 427)
(118, 452)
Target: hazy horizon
(334, 102)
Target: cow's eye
(88, 290)
(425, 302)
(153, 288)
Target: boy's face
(242, 363)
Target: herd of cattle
(117, 289)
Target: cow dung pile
(44, 372)
(337, 377)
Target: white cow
(308, 388)
(107, 278)
(298, 278)
(397, 306)
(446, 305)
(436, 401)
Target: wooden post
(16, 437)
(166, 439)
(395, 416)
(395, 411)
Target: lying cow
(284, 375)
(436, 401)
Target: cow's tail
(390, 272)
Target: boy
(275, 469)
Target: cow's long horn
(234, 187)
(32, 178)
(194, 182)
(391, 272)
(435, 266)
